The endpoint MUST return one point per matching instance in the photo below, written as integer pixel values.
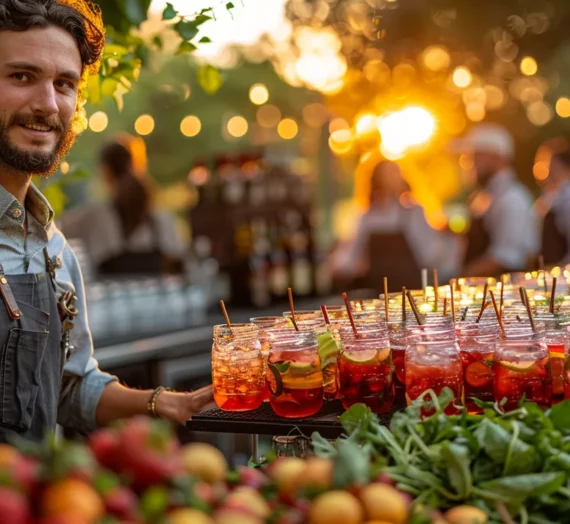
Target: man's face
(486, 164)
(39, 76)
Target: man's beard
(34, 162)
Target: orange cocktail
(238, 370)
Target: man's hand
(181, 407)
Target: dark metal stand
(263, 421)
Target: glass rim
(347, 329)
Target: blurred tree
(125, 54)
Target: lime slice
(274, 380)
(519, 367)
(301, 368)
(361, 357)
(328, 349)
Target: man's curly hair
(82, 19)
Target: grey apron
(32, 355)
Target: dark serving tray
(263, 421)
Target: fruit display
(464, 469)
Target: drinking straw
(386, 306)
(502, 291)
(349, 311)
(325, 315)
(452, 286)
(226, 316)
(424, 279)
(414, 308)
(403, 304)
(552, 294)
(445, 306)
(499, 317)
(524, 298)
(485, 291)
(436, 288)
(292, 308)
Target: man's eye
(66, 84)
(21, 77)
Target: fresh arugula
(510, 464)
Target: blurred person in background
(391, 213)
(126, 235)
(556, 223)
(503, 236)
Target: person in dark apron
(503, 231)
(407, 243)
(47, 371)
(556, 224)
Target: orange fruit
(478, 374)
(72, 497)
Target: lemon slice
(519, 367)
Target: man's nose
(45, 103)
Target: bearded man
(48, 49)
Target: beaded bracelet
(152, 401)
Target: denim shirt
(18, 255)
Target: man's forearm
(118, 402)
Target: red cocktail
(477, 343)
(434, 365)
(523, 368)
(557, 353)
(366, 369)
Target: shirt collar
(36, 203)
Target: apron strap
(8, 297)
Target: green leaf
(358, 416)
(93, 90)
(56, 197)
(230, 5)
(185, 47)
(322, 447)
(76, 175)
(157, 41)
(136, 10)
(201, 19)
(457, 461)
(351, 464)
(520, 487)
(169, 12)
(498, 444)
(559, 415)
(115, 51)
(109, 86)
(186, 29)
(205, 40)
